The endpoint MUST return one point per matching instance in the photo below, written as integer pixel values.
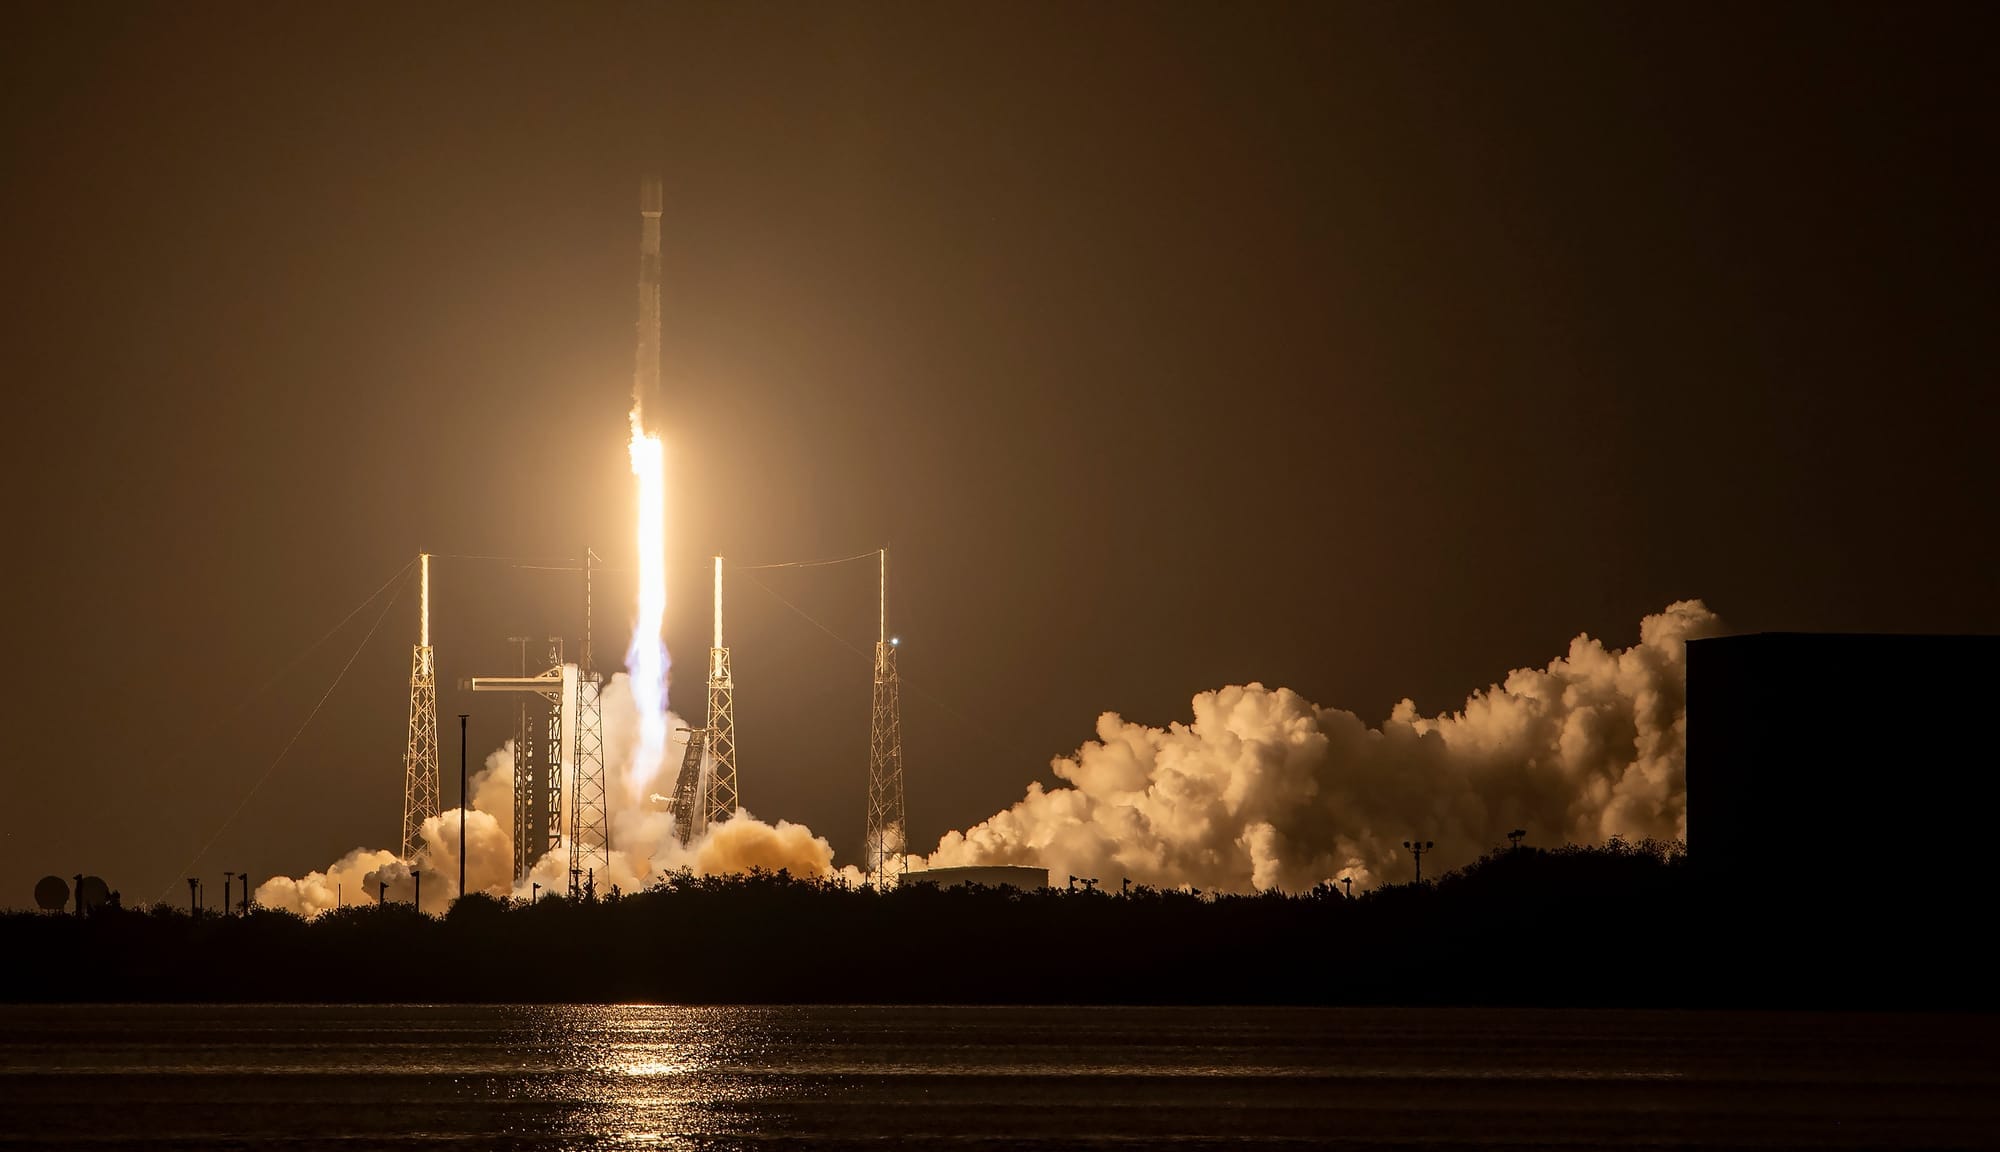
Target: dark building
(1841, 792)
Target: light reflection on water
(590, 1077)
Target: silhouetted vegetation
(1602, 925)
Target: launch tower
(538, 752)
(420, 758)
(882, 851)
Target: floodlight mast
(1417, 849)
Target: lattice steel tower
(722, 798)
(882, 852)
(420, 759)
(589, 816)
(705, 791)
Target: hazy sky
(1370, 350)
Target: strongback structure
(589, 815)
(882, 855)
(538, 752)
(705, 791)
(420, 758)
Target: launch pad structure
(538, 752)
(559, 786)
(571, 700)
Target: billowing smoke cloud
(344, 882)
(1264, 789)
(644, 845)
(1261, 790)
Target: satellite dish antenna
(52, 893)
(93, 893)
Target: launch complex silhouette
(559, 786)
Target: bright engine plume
(647, 660)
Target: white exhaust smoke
(1261, 790)
(644, 845)
(1266, 790)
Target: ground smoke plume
(1266, 790)
(1262, 790)
(644, 845)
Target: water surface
(593, 1077)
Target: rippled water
(588, 1077)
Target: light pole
(1514, 839)
(228, 886)
(1347, 883)
(1417, 849)
(534, 894)
(463, 802)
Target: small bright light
(895, 640)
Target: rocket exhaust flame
(646, 661)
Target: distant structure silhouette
(52, 895)
(1025, 878)
(91, 893)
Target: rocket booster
(646, 410)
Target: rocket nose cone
(651, 195)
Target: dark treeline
(1608, 925)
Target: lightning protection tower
(705, 791)
(420, 758)
(882, 851)
(721, 791)
(589, 816)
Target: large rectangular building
(1841, 794)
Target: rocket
(646, 410)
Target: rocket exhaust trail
(647, 661)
